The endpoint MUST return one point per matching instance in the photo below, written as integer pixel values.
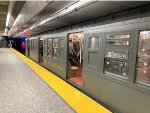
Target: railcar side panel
(121, 93)
(56, 61)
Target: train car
(109, 62)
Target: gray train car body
(55, 63)
(105, 48)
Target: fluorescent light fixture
(10, 8)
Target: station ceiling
(3, 14)
(39, 16)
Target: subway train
(110, 62)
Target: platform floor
(22, 91)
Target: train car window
(30, 41)
(49, 50)
(116, 68)
(55, 47)
(116, 61)
(36, 41)
(44, 47)
(61, 43)
(93, 43)
(143, 59)
(118, 42)
(119, 39)
(37, 45)
(32, 45)
(44, 42)
(119, 36)
(61, 48)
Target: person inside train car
(72, 53)
(76, 44)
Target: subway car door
(75, 58)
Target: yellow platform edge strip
(76, 99)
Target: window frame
(96, 37)
(88, 51)
(57, 48)
(118, 39)
(119, 48)
(45, 47)
(49, 55)
(137, 50)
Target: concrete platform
(22, 91)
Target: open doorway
(75, 57)
(41, 50)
